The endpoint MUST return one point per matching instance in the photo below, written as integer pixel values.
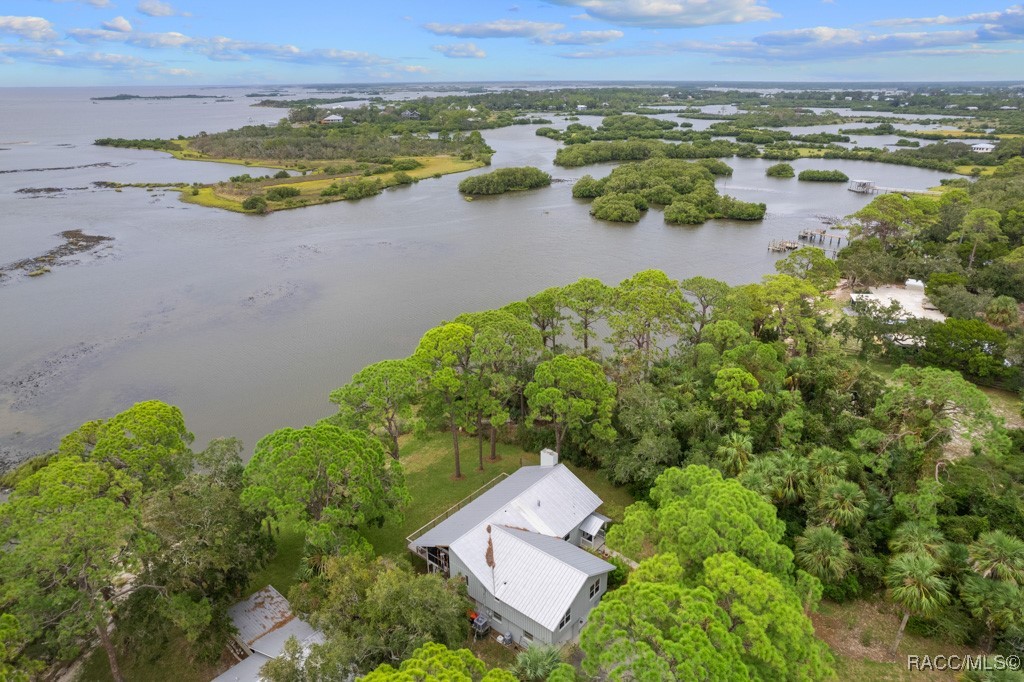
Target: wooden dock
(869, 187)
(820, 235)
(782, 245)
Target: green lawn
(429, 467)
(282, 569)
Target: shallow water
(246, 322)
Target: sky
(227, 42)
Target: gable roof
(545, 499)
(538, 576)
(264, 611)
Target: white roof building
(982, 148)
(265, 622)
(333, 118)
(520, 548)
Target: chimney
(548, 457)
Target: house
(581, 107)
(265, 622)
(411, 115)
(982, 148)
(520, 547)
(333, 118)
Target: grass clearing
(861, 634)
(282, 570)
(429, 465)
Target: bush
(623, 207)
(281, 175)
(587, 188)
(505, 180)
(406, 164)
(735, 209)
(780, 170)
(403, 178)
(282, 193)
(684, 213)
(716, 167)
(823, 176)
(255, 204)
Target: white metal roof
(593, 523)
(544, 499)
(537, 576)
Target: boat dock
(821, 235)
(869, 187)
(782, 245)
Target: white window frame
(566, 619)
(595, 588)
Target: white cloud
(580, 38)
(502, 28)
(29, 28)
(58, 57)
(975, 18)
(94, 3)
(460, 51)
(155, 8)
(673, 13)
(415, 68)
(118, 24)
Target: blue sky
(101, 42)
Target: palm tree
(918, 538)
(916, 586)
(823, 553)
(998, 555)
(536, 663)
(994, 602)
(841, 504)
(735, 452)
(827, 464)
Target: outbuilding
(982, 148)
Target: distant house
(520, 548)
(333, 118)
(581, 107)
(411, 115)
(265, 622)
(982, 148)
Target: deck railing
(454, 508)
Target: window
(565, 619)
(567, 536)
(527, 636)
(496, 617)
(595, 588)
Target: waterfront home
(521, 547)
(982, 148)
(333, 118)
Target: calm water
(247, 323)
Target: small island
(780, 170)
(505, 180)
(316, 163)
(686, 190)
(823, 176)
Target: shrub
(780, 170)
(623, 207)
(255, 204)
(282, 193)
(282, 174)
(505, 180)
(403, 178)
(587, 188)
(406, 164)
(684, 213)
(716, 167)
(735, 209)
(823, 176)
